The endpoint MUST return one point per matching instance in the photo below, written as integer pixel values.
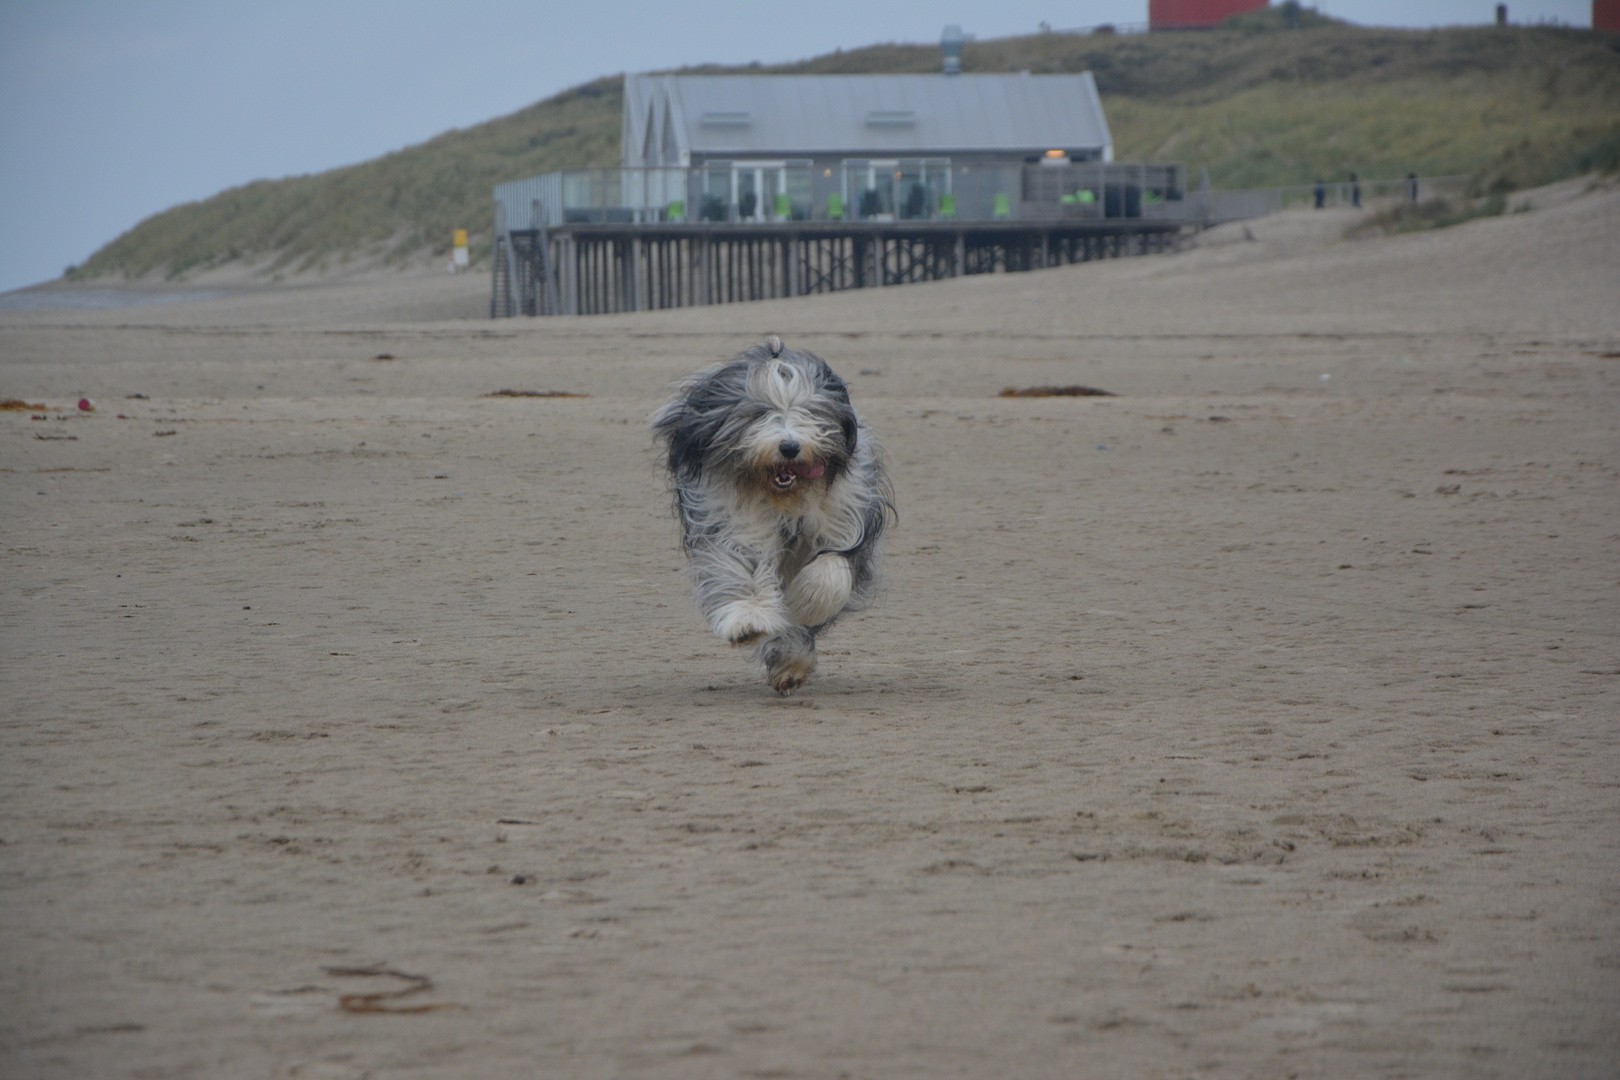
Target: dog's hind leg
(789, 658)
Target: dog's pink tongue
(811, 471)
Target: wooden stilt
(638, 300)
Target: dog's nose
(789, 448)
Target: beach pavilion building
(746, 187)
(862, 147)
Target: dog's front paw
(747, 623)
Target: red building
(1184, 14)
(1606, 15)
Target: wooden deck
(597, 269)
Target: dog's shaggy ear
(691, 421)
(687, 433)
(834, 387)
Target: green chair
(784, 207)
(1069, 200)
(1003, 206)
(676, 211)
(835, 207)
(1087, 196)
(947, 205)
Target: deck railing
(856, 190)
(912, 191)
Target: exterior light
(1055, 154)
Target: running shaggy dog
(782, 499)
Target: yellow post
(458, 258)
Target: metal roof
(669, 118)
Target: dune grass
(1256, 104)
(1493, 126)
(1259, 107)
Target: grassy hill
(1255, 103)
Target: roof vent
(950, 44)
(895, 119)
(724, 120)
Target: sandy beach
(1261, 721)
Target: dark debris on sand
(1057, 391)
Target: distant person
(1355, 191)
(1321, 193)
(1411, 187)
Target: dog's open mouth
(789, 473)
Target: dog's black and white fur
(782, 499)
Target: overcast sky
(111, 110)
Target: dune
(1256, 721)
